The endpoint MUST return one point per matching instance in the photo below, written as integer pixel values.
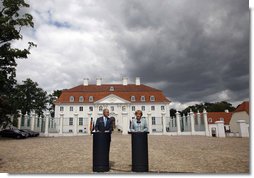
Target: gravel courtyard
(167, 154)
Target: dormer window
(81, 99)
(152, 98)
(133, 98)
(90, 98)
(111, 88)
(143, 98)
(221, 119)
(71, 98)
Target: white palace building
(78, 106)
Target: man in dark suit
(104, 124)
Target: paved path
(167, 154)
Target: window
(143, 108)
(133, 108)
(61, 108)
(70, 130)
(90, 108)
(81, 99)
(100, 108)
(163, 108)
(123, 108)
(90, 98)
(71, 98)
(143, 98)
(152, 108)
(152, 98)
(80, 131)
(112, 108)
(210, 120)
(221, 119)
(133, 98)
(71, 108)
(111, 88)
(70, 121)
(153, 121)
(80, 121)
(81, 108)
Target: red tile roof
(122, 91)
(215, 116)
(243, 107)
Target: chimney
(98, 81)
(137, 80)
(125, 81)
(85, 81)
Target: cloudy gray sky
(193, 50)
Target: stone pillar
(243, 128)
(47, 124)
(178, 123)
(25, 120)
(163, 115)
(40, 123)
(149, 122)
(88, 123)
(198, 120)
(19, 119)
(32, 120)
(220, 129)
(61, 124)
(75, 123)
(192, 123)
(205, 122)
(125, 122)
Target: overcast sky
(193, 50)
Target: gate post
(192, 123)
(178, 123)
(164, 122)
(205, 122)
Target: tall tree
(12, 20)
(210, 107)
(30, 97)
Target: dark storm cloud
(198, 47)
(193, 50)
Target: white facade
(122, 110)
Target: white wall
(117, 113)
(234, 127)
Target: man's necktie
(105, 121)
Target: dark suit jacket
(99, 126)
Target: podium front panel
(101, 143)
(139, 151)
